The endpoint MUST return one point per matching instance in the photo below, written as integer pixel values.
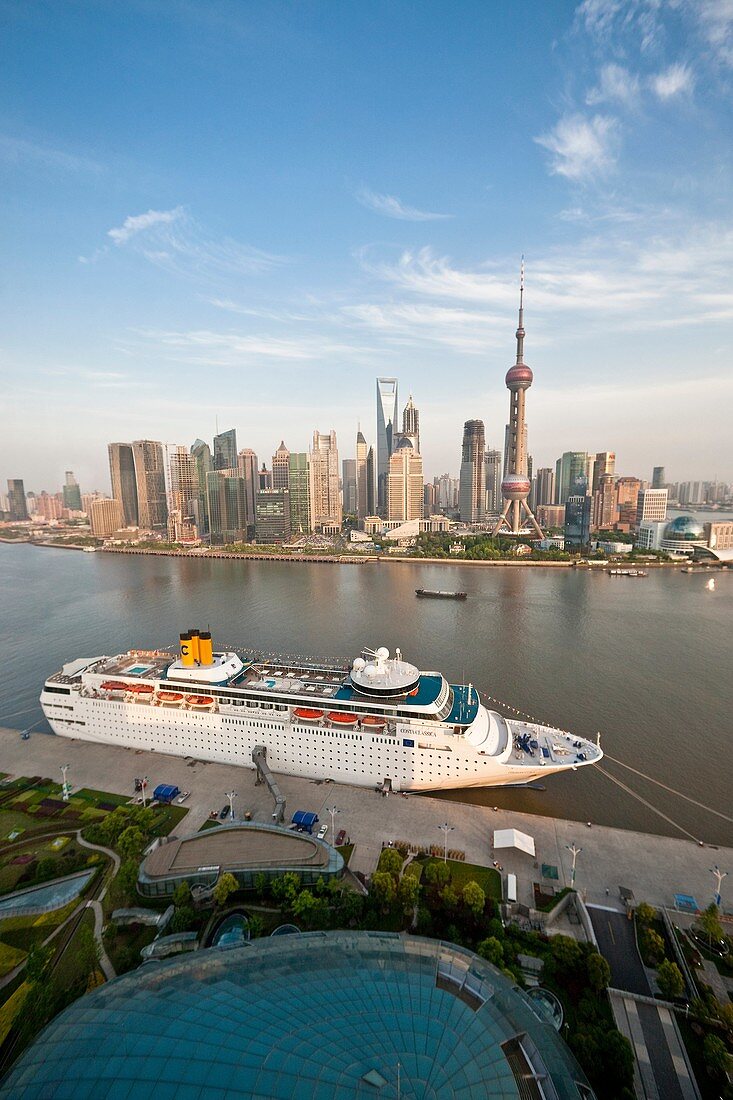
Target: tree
(645, 914)
(183, 918)
(599, 972)
(130, 842)
(226, 886)
(670, 980)
(449, 898)
(437, 874)
(88, 950)
(492, 949)
(566, 953)
(390, 860)
(36, 964)
(182, 895)
(716, 1057)
(474, 898)
(408, 893)
(709, 923)
(351, 907)
(261, 883)
(383, 888)
(46, 869)
(256, 926)
(310, 910)
(652, 945)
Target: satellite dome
(519, 377)
(371, 671)
(684, 529)
(382, 652)
(358, 664)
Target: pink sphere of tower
(515, 487)
(519, 377)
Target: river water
(649, 662)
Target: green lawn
(88, 794)
(9, 957)
(488, 878)
(346, 850)
(10, 1009)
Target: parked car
(322, 831)
(341, 838)
(224, 812)
(182, 797)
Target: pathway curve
(95, 905)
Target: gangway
(264, 775)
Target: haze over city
(250, 212)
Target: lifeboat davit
(372, 722)
(172, 697)
(114, 685)
(340, 718)
(199, 700)
(305, 715)
(140, 689)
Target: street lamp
(719, 876)
(575, 851)
(445, 829)
(144, 788)
(65, 788)
(333, 810)
(231, 796)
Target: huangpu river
(648, 662)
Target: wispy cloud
(205, 347)
(413, 325)
(615, 85)
(392, 207)
(715, 19)
(21, 152)
(676, 80)
(581, 148)
(138, 223)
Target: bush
(670, 980)
(599, 972)
(391, 861)
(652, 946)
(492, 950)
(474, 898)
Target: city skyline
(287, 231)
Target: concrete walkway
(662, 1070)
(107, 969)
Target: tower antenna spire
(520, 326)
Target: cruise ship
(377, 721)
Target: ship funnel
(186, 650)
(195, 646)
(206, 651)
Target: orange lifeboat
(372, 722)
(114, 685)
(305, 715)
(140, 689)
(340, 718)
(170, 697)
(199, 700)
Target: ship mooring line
(14, 713)
(700, 805)
(646, 803)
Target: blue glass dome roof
(684, 528)
(320, 1016)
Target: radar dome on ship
(515, 487)
(519, 377)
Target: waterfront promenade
(655, 868)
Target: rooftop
(235, 847)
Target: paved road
(616, 942)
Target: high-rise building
(18, 508)
(106, 516)
(571, 475)
(264, 478)
(325, 496)
(627, 491)
(545, 488)
(183, 494)
(301, 516)
(272, 515)
(604, 463)
(227, 507)
(49, 507)
(71, 492)
(405, 485)
(492, 469)
(411, 423)
(428, 499)
(371, 482)
(150, 479)
(124, 481)
(516, 484)
(225, 450)
(651, 506)
(386, 429)
(247, 466)
(348, 485)
(577, 521)
(658, 481)
(362, 496)
(281, 467)
(204, 463)
(472, 498)
(605, 503)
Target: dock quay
(654, 867)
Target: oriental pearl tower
(515, 485)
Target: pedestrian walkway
(662, 1070)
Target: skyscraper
(281, 467)
(492, 465)
(150, 480)
(362, 496)
(201, 455)
(183, 494)
(658, 480)
(225, 450)
(577, 521)
(301, 517)
(247, 466)
(105, 517)
(516, 485)
(651, 506)
(545, 490)
(272, 515)
(16, 499)
(405, 485)
(605, 503)
(124, 482)
(325, 496)
(411, 423)
(226, 506)
(604, 463)
(348, 485)
(571, 475)
(472, 491)
(371, 480)
(71, 492)
(386, 429)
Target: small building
(166, 792)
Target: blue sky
(250, 210)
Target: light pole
(333, 810)
(719, 876)
(575, 853)
(65, 788)
(445, 829)
(144, 788)
(231, 796)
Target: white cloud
(393, 207)
(138, 223)
(204, 347)
(678, 79)
(716, 22)
(18, 151)
(615, 84)
(581, 147)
